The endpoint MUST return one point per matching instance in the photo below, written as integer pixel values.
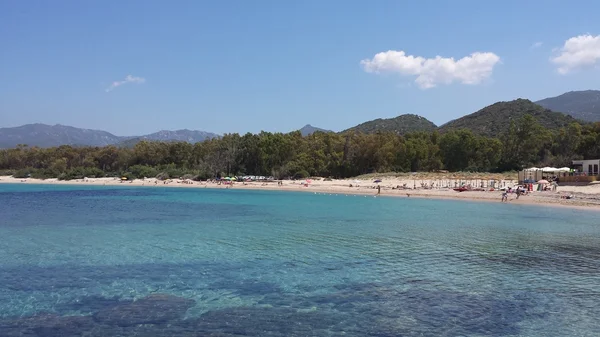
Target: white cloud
(578, 52)
(128, 79)
(472, 69)
(536, 45)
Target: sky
(136, 67)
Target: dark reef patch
(362, 309)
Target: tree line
(525, 143)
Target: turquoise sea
(151, 261)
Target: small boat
(461, 189)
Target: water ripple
(159, 262)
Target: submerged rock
(153, 309)
(47, 325)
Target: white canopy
(549, 169)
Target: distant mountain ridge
(184, 135)
(584, 105)
(400, 125)
(44, 135)
(54, 135)
(491, 121)
(494, 119)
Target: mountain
(401, 125)
(309, 130)
(493, 120)
(54, 135)
(185, 135)
(584, 105)
(43, 135)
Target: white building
(590, 167)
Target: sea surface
(152, 261)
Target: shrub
(44, 174)
(142, 171)
(81, 172)
(203, 176)
(127, 175)
(94, 172)
(302, 174)
(23, 173)
(7, 172)
(162, 176)
(171, 171)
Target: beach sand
(587, 196)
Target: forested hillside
(525, 142)
(583, 105)
(495, 119)
(400, 125)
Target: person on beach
(378, 189)
(504, 196)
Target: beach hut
(530, 175)
(590, 166)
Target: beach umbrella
(543, 181)
(123, 178)
(377, 181)
(233, 178)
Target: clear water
(83, 260)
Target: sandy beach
(587, 196)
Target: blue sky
(135, 67)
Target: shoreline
(585, 197)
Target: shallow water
(151, 261)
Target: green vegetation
(400, 125)
(494, 120)
(524, 142)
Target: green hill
(493, 120)
(401, 125)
